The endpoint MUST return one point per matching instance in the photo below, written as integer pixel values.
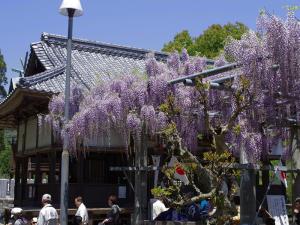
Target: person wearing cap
(16, 214)
(48, 214)
(81, 216)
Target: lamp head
(66, 5)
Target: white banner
(277, 208)
(180, 173)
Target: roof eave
(11, 103)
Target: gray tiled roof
(91, 61)
(49, 80)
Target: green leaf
(210, 43)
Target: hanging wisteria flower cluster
(268, 79)
(127, 103)
(270, 59)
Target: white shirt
(82, 212)
(158, 207)
(48, 216)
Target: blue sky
(139, 23)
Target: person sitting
(113, 216)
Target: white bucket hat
(16, 211)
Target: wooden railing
(95, 195)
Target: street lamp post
(70, 8)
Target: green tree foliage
(210, 43)
(181, 40)
(3, 78)
(5, 156)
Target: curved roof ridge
(40, 77)
(96, 44)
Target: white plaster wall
(114, 139)
(31, 132)
(21, 132)
(44, 135)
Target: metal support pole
(144, 177)
(64, 188)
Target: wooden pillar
(24, 167)
(140, 187)
(247, 192)
(79, 175)
(38, 175)
(248, 196)
(17, 182)
(52, 165)
(80, 166)
(24, 179)
(296, 186)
